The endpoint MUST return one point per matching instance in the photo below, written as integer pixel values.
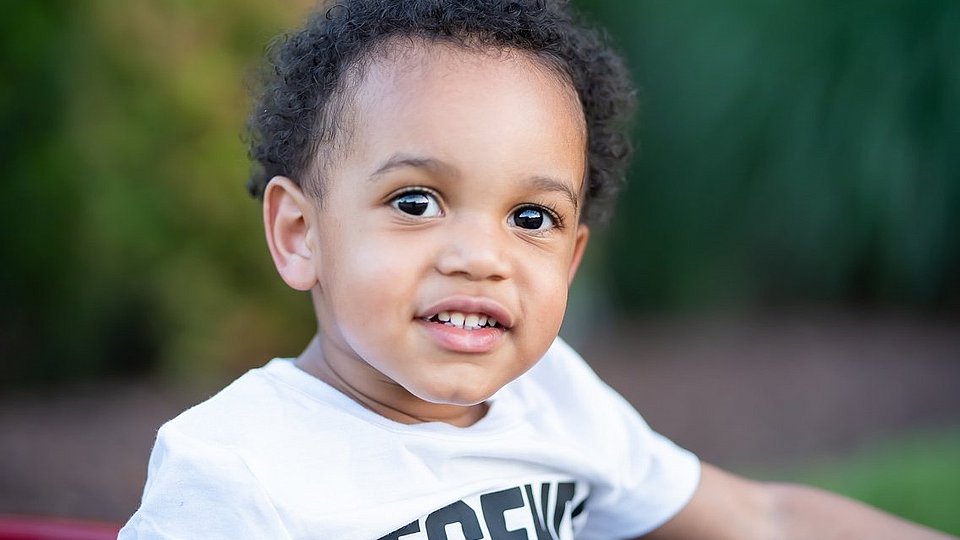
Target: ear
(287, 218)
(579, 246)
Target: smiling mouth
(465, 321)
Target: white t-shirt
(280, 454)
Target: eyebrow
(400, 160)
(436, 166)
(545, 183)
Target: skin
(478, 138)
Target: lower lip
(460, 340)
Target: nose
(476, 249)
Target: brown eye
(532, 218)
(417, 203)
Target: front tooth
(471, 321)
(482, 321)
(457, 319)
(443, 316)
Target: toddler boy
(429, 171)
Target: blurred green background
(131, 243)
(790, 153)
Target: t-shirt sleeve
(196, 489)
(647, 478)
(654, 480)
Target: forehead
(402, 69)
(436, 97)
(396, 60)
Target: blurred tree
(37, 214)
(790, 152)
(131, 243)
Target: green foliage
(790, 151)
(131, 243)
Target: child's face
(457, 197)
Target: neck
(375, 391)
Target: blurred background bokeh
(778, 291)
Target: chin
(456, 395)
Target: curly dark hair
(298, 113)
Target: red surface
(46, 528)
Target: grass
(916, 477)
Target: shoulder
(247, 398)
(199, 481)
(562, 376)
(643, 479)
(563, 365)
(269, 400)
(563, 393)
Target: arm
(729, 507)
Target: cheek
(369, 274)
(547, 290)
(557, 299)
(351, 253)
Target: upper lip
(470, 304)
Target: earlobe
(580, 245)
(286, 222)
